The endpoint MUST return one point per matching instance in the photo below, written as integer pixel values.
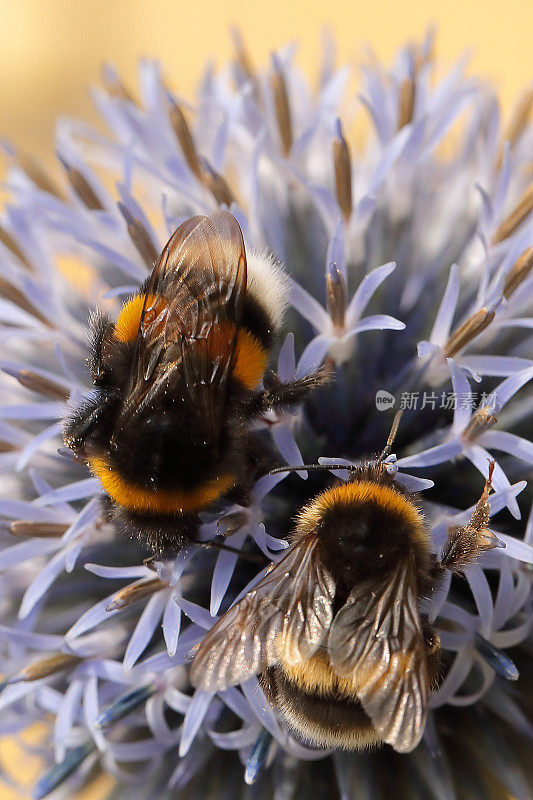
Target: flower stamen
(518, 273)
(243, 57)
(40, 530)
(468, 331)
(343, 172)
(115, 88)
(281, 106)
(336, 292)
(497, 659)
(520, 117)
(406, 104)
(60, 772)
(481, 421)
(8, 241)
(183, 135)
(82, 188)
(516, 217)
(140, 237)
(216, 184)
(125, 705)
(35, 171)
(39, 384)
(45, 667)
(14, 295)
(7, 447)
(135, 592)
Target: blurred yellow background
(52, 50)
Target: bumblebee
(334, 629)
(177, 383)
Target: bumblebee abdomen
(315, 675)
(324, 719)
(157, 500)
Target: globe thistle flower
(411, 274)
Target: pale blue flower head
(410, 261)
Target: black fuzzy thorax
(361, 540)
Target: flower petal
(365, 291)
(194, 718)
(171, 625)
(309, 308)
(446, 312)
(145, 629)
(433, 455)
(287, 359)
(286, 444)
(313, 355)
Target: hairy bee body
(178, 383)
(364, 529)
(334, 630)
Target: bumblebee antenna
(220, 546)
(302, 467)
(350, 467)
(149, 562)
(392, 435)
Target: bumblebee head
(89, 427)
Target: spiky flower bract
(410, 261)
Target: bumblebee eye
(80, 426)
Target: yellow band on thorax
(129, 320)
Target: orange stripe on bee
(250, 356)
(162, 501)
(251, 360)
(129, 319)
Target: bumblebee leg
(243, 554)
(257, 460)
(279, 395)
(466, 543)
(432, 648)
(260, 456)
(267, 682)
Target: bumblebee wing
(293, 601)
(193, 303)
(377, 637)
